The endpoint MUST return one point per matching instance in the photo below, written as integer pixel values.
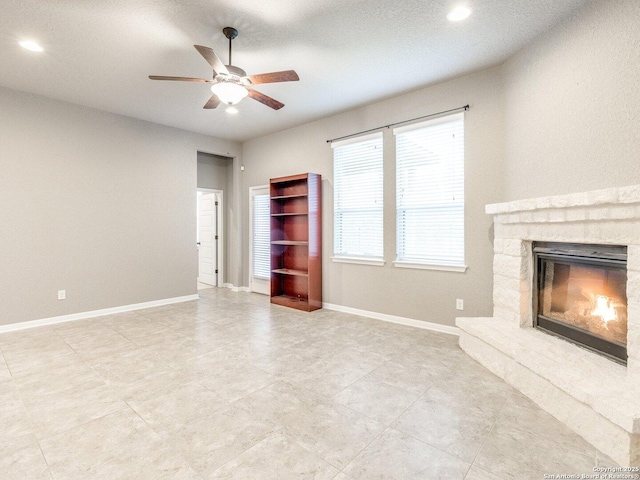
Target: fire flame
(604, 308)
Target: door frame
(251, 193)
(219, 229)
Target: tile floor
(230, 387)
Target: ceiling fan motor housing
(236, 71)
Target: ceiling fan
(230, 84)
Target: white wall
(573, 105)
(100, 205)
(417, 294)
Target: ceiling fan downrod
(230, 33)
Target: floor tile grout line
(83, 423)
(44, 456)
(430, 445)
(33, 425)
(387, 427)
(422, 441)
(66, 431)
(379, 435)
(175, 451)
(27, 417)
(330, 402)
(278, 431)
(486, 439)
(332, 398)
(241, 453)
(6, 363)
(551, 440)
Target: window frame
(352, 257)
(433, 263)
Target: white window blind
(357, 205)
(430, 192)
(261, 237)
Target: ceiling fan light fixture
(458, 13)
(31, 45)
(229, 92)
(231, 110)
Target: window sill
(359, 261)
(428, 266)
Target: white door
(208, 238)
(260, 248)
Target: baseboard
(233, 288)
(410, 322)
(13, 327)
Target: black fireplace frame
(611, 256)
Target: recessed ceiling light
(459, 13)
(31, 45)
(233, 110)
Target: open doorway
(214, 190)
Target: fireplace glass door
(581, 295)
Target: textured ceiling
(347, 53)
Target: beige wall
(418, 294)
(215, 172)
(98, 204)
(573, 105)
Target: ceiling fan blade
(180, 79)
(274, 77)
(213, 59)
(268, 101)
(213, 102)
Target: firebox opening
(581, 295)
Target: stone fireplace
(569, 266)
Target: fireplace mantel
(594, 396)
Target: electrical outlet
(62, 294)
(459, 304)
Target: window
(261, 236)
(430, 194)
(357, 206)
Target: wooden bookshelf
(296, 241)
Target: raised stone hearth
(596, 397)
